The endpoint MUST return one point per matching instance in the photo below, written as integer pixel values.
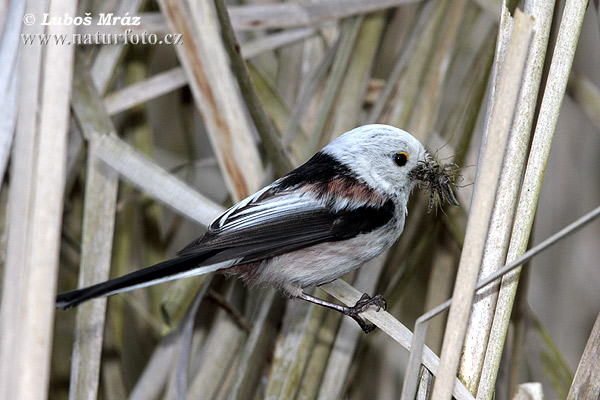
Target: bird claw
(361, 305)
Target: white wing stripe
(247, 214)
(223, 219)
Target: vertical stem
(481, 208)
(98, 229)
(498, 238)
(558, 75)
(37, 189)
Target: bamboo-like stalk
(353, 89)
(313, 376)
(586, 384)
(418, 339)
(289, 69)
(538, 157)
(141, 92)
(292, 350)
(430, 97)
(262, 45)
(19, 216)
(307, 91)
(32, 259)
(481, 209)
(266, 129)
(339, 362)
(460, 127)
(101, 191)
(392, 327)
(218, 353)
(98, 227)
(150, 177)
(347, 41)
(279, 112)
(496, 246)
(439, 288)
(9, 58)
(252, 360)
(151, 384)
(404, 100)
(105, 63)
(400, 65)
(204, 59)
(289, 15)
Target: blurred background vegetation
(187, 139)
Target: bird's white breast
(325, 262)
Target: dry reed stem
(271, 139)
(252, 361)
(496, 247)
(351, 94)
(430, 97)
(9, 59)
(163, 186)
(141, 92)
(98, 229)
(394, 328)
(204, 60)
(293, 347)
(346, 341)
(347, 41)
(291, 15)
(586, 384)
(481, 209)
(532, 181)
(107, 59)
(33, 250)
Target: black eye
(401, 159)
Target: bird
(343, 207)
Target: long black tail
(175, 268)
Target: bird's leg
(361, 305)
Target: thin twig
(237, 316)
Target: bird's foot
(361, 305)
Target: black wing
(272, 223)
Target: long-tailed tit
(343, 207)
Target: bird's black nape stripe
(158, 271)
(321, 168)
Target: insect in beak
(437, 179)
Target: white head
(381, 155)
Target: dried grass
(197, 126)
